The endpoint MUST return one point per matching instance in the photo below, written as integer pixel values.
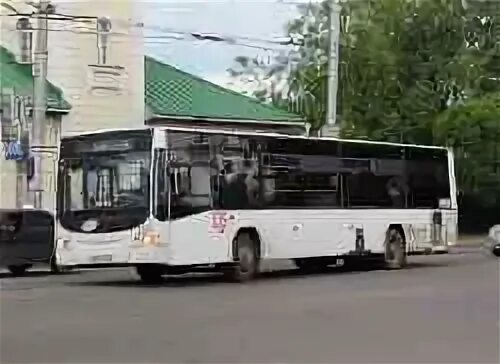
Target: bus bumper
(70, 254)
(143, 254)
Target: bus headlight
(151, 238)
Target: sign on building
(106, 80)
(14, 125)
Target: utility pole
(331, 128)
(38, 129)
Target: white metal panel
(300, 233)
(293, 233)
(191, 242)
(453, 180)
(102, 96)
(79, 248)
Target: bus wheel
(496, 250)
(18, 270)
(150, 273)
(395, 250)
(248, 259)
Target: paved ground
(442, 309)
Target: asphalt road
(442, 309)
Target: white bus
(171, 200)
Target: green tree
(483, 32)
(473, 131)
(402, 63)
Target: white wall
(72, 52)
(73, 49)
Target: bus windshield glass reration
(104, 178)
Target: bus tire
(395, 249)
(495, 250)
(18, 270)
(247, 265)
(150, 273)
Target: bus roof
(102, 131)
(237, 132)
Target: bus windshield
(109, 187)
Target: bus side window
(428, 176)
(190, 177)
(374, 175)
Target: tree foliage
(401, 64)
(473, 131)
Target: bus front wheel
(395, 249)
(247, 265)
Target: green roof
(170, 92)
(20, 78)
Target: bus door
(190, 202)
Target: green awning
(19, 78)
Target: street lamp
(331, 126)
(103, 30)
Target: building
(100, 74)
(16, 95)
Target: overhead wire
(174, 33)
(165, 39)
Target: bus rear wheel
(150, 273)
(247, 265)
(395, 250)
(496, 250)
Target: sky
(257, 19)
